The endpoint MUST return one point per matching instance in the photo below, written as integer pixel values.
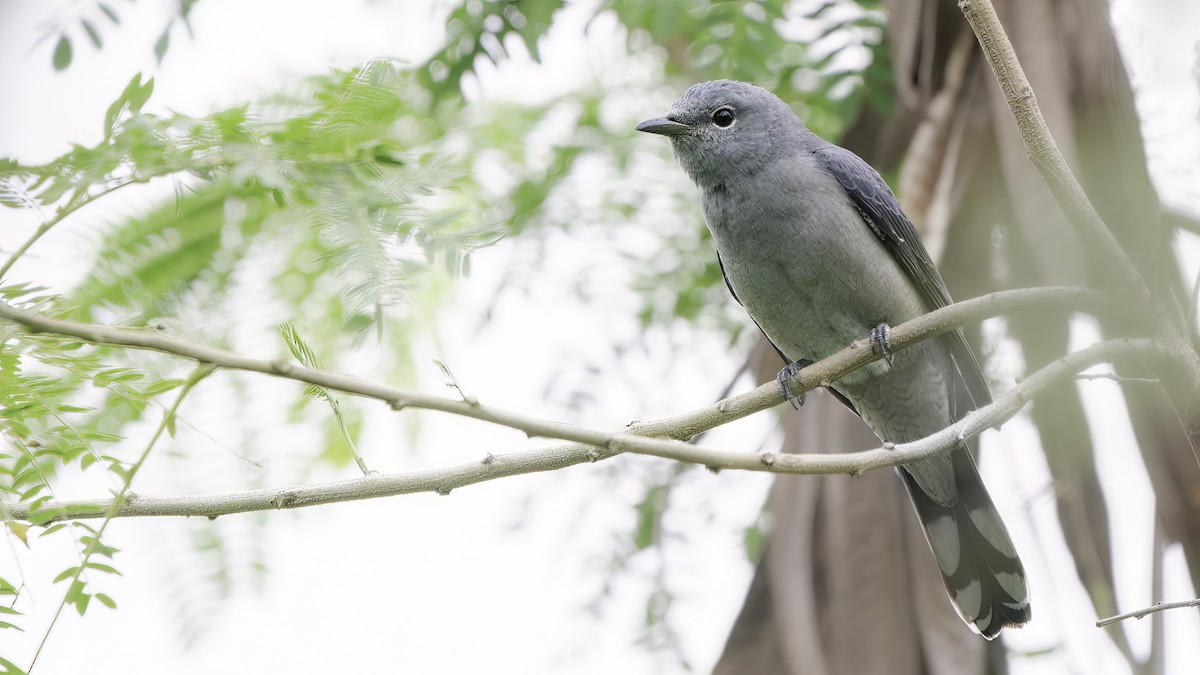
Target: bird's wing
(881, 212)
(786, 359)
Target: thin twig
(491, 466)
(1158, 637)
(1141, 613)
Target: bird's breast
(806, 266)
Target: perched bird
(814, 245)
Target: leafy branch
(305, 355)
(76, 594)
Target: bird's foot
(881, 342)
(785, 377)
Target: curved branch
(681, 427)
(442, 481)
(634, 439)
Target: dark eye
(723, 117)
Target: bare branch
(634, 439)
(1141, 613)
(490, 467)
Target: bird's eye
(723, 116)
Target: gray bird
(813, 243)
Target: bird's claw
(790, 371)
(881, 342)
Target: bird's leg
(881, 342)
(785, 376)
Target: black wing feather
(881, 212)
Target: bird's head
(725, 129)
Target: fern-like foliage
(477, 30)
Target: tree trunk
(847, 583)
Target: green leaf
(106, 601)
(118, 106)
(66, 574)
(10, 668)
(108, 11)
(140, 94)
(92, 33)
(100, 436)
(31, 475)
(161, 386)
(62, 53)
(648, 512)
(52, 529)
(93, 545)
(43, 516)
(754, 540)
(297, 346)
(81, 600)
(103, 568)
(19, 530)
(161, 45)
(32, 492)
(114, 375)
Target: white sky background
(428, 584)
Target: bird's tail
(979, 564)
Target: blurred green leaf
(62, 53)
(480, 29)
(162, 43)
(649, 510)
(109, 12)
(92, 33)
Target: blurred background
(410, 183)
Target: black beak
(664, 127)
